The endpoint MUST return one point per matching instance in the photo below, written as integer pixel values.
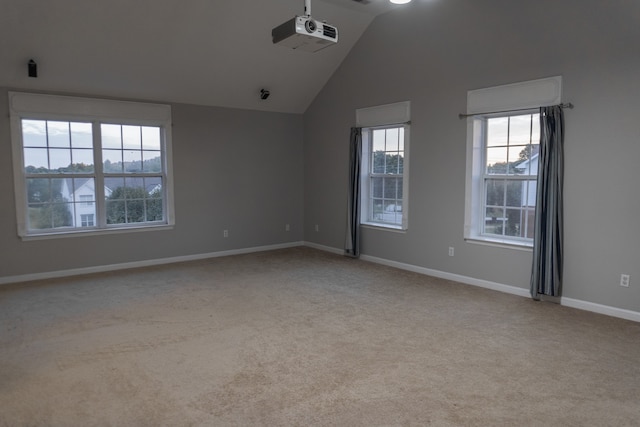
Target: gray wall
(233, 169)
(432, 53)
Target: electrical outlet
(624, 280)
(451, 251)
(225, 233)
(287, 227)
(317, 227)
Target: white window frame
(511, 99)
(396, 115)
(96, 111)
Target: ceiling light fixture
(399, 1)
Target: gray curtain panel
(546, 275)
(352, 241)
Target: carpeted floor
(300, 337)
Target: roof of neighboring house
(149, 184)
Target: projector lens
(310, 25)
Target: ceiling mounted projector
(305, 33)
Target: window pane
(535, 150)
(152, 161)
(401, 139)
(131, 137)
(494, 221)
(401, 163)
(154, 208)
(36, 160)
(58, 134)
(390, 185)
(376, 187)
(81, 135)
(497, 131)
(61, 190)
(392, 163)
(524, 162)
(112, 161)
(518, 154)
(513, 225)
(50, 215)
(34, 133)
(59, 159)
(520, 130)
(515, 192)
(529, 195)
(135, 194)
(153, 186)
(38, 190)
(82, 160)
(112, 188)
(529, 221)
(494, 192)
(535, 129)
(135, 188)
(392, 139)
(378, 162)
(378, 140)
(150, 138)
(392, 212)
(497, 160)
(115, 194)
(115, 211)
(83, 191)
(132, 161)
(111, 136)
(378, 210)
(135, 210)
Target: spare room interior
(326, 212)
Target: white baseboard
(324, 248)
(601, 309)
(137, 264)
(568, 302)
(449, 276)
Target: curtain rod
(464, 116)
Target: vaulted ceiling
(205, 52)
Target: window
(502, 160)
(86, 199)
(87, 220)
(82, 163)
(383, 191)
(384, 167)
(510, 175)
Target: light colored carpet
(299, 337)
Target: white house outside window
(90, 164)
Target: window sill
(95, 232)
(383, 227)
(500, 243)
